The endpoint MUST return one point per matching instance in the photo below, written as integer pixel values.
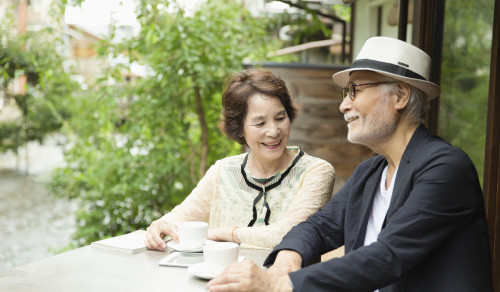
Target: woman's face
(266, 127)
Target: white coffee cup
(192, 234)
(219, 255)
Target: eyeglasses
(350, 90)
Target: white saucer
(202, 271)
(179, 247)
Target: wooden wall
(320, 129)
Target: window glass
(465, 76)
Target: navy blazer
(435, 236)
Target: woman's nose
(272, 130)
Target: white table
(94, 269)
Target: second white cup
(219, 255)
(192, 234)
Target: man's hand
(286, 261)
(155, 233)
(246, 276)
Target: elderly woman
(256, 197)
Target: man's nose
(345, 105)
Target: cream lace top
(223, 199)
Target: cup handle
(174, 229)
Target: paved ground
(33, 224)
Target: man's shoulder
(425, 141)
(425, 146)
(434, 146)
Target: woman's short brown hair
(240, 87)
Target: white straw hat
(396, 59)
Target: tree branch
(305, 8)
(204, 130)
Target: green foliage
(138, 147)
(43, 107)
(343, 11)
(465, 71)
(305, 27)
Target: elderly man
(411, 218)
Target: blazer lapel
(372, 183)
(405, 170)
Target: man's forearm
(287, 261)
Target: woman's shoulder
(235, 160)
(228, 164)
(307, 159)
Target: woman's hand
(155, 233)
(223, 234)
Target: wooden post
(428, 26)
(403, 20)
(491, 186)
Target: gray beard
(374, 128)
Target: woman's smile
(273, 144)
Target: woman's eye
(260, 124)
(280, 119)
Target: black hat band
(387, 67)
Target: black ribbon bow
(262, 190)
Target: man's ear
(403, 96)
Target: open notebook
(129, 243)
